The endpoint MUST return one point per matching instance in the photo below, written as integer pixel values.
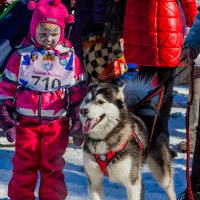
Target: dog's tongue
(88, 125)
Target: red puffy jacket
(153, 31)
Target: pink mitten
(7, 124)
(11, 134)
(76, 132)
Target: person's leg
(25, 163)
(194, 114)
(148, 73)
(54, 143)
(163, 74)
(195, 175)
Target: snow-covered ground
(76, 178)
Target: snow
(76, 179)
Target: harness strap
(159, 104)
(104, 159)
(138, 140)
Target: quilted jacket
(153, 31)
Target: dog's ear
(120, 92)
(93, 83)
(120, 84)
(117, 82)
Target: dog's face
(100, 109)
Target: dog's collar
(94, 144)
(133, 135)
(96, 141)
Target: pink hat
(49, 11)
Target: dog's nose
(84, 112)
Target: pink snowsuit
(45, 87)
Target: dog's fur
(108, 118)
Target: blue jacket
(193, 38)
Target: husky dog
(118, 140)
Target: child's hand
(11, 134)
(7, 124)
(76, 132)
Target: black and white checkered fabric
(98, 56)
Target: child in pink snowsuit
(43, 84)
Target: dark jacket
(89, 18)
(13, 27)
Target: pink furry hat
(50, 11)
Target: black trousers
(163, 74)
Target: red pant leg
(53, 145)
(25, 162)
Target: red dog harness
(104, 159)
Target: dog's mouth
(90, 124)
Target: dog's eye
(100, 102)
(87, 100)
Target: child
(43, 84)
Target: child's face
(47, 34)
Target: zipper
(39, 107)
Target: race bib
(44, 71)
